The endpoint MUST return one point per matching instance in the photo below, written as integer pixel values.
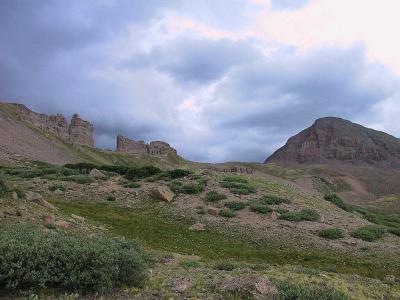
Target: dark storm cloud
(198, 60)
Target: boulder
(49, 219)
(78, 218)
(197, 227)
(213, 211)
(14, 195)
(58, 192)
(96, 173)
(63, 224)
(38, 199)
(180, 285)
(163, 193)
(259, 287)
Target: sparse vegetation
(273, 200)
(214, 196)
(260, 208)
(369, 233)
(227, 213)
(3, 186)
(303, 215)
(289, 291)
(131, 185)
(238, 188)
(225, 265)
(178, 187)
(54, 187)
(335, 199)
(142, 172)
(235, 205)
(110, 198)
(176, 173)
(331, 233)
(33, 259)
(81, 179)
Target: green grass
(56, 186)
(291, 291)
(273, 200)
(298, 216)
(238, 188)
(162, 230)
(81, 179)
(331, 233)
(225, 265)
(235, 205)
(214, 196)
(369, 233)
(260, 208)
(3, 186)
(131, 185)
(227, 213)
(335, 199)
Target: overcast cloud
(219, 80)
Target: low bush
(298, 216)
(3, 186)
(235, 205)
(238, 188)
(177, 173)
(369, 233)
(235, 178)
(20, 192)
(179, 188)
(335, 199)
(214, 196)
(33, 259)
(110, 198)
(226, 213)
(260, 208)
(131, 185)
(60, 187)
(142, 172)
(290, 291)
(395, 231)
(331, 233)
(273, 200)
(81, 179)
(225, 265)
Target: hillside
(335, 141)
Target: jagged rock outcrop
(56, 124)
(158, 148)
(81, 132)
(130, 146)
(336, 141)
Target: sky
(220, 80)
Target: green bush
(142, 172)
(303, 215)
(132, 185)
(291, 291)
(214, 196)
(179, 188)
(20, 192)
(235, 205)
(225, 265)
(177, 173)
(226, 213)
(331, 233)
(110, 198)
(235, 178)
(33, 259)
(3, 186)
(335, 199)
(81, 179)
(395, 231)
(369, 233)
(260, 208)
(273, 200)
(60, 187)
(238, 188)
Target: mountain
(27, 135)
(337, 141)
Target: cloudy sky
(220, 80)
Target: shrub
(81, 179)
(238, 188)
(142, 172)
(331, 233)
(132, 185)
(225, 265)
(259, 208)
(235, 178)
(177, 173)
(67, 261)
(110, 198)
(226, 213)
(192, 188)
(303, 215)
(214, 196)
(289, 291)
(20, 192)
(395, 231)
(235, 205)
(273, 200)
(369, 233)
(60, 187)
(335, 199)
(3, 186)
(176, 186)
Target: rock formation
(130, 146)
(81, 132)
(336, 141)
(56, 124)
(158, 148)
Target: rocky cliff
(81, 132)
(158, 148)
(336, 141)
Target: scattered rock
(168, 261)
(49, 220)
(163, 193)
(274, 215)
(180, 285)
(58, 192)
(78, 218)
(197, 227)
(14, 195)
(10, 211)
(38, 199)
(213, 211)
(63, 224)
(96, 173)
(259, 287)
